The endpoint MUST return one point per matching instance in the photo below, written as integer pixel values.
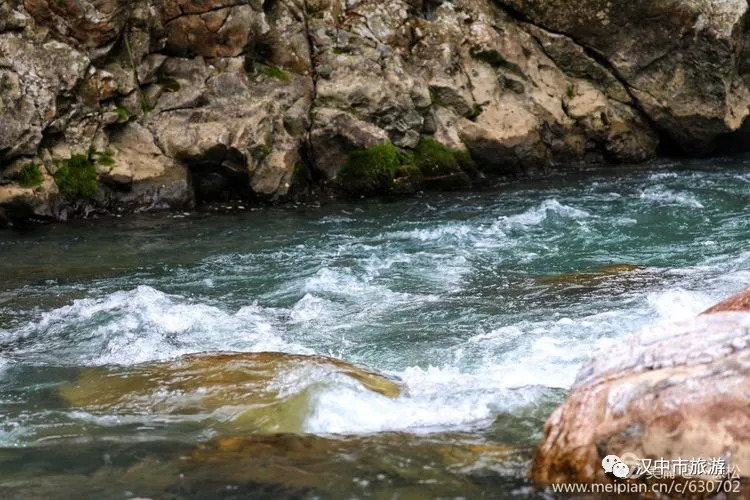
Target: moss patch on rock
(443, 168)
(76, 177)
(408, 179)
(385, 169)
(466, 162)
(30, 175)
(272, 72)
(370, 171)
(433, 158)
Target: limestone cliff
(120, 105)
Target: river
(483, 305)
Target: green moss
(147, 104)
(370, 171)
(466, 162)
(272, 72)
(434, 159)
(76, 177)
(105, 159)
(408, 180)
(122, 114)
(30, 175)
(260, 153)
(169, 84)
(475, 112)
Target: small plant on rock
(122, 114)
(272, 72)
(76, 177)
(30, 175)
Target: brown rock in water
(442, 464)
(591, 278)
(244, 392)
(739, 302)
(671, 391)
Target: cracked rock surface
(265, 100)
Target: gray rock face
(672, 391)
(250, 94)
(680, 60)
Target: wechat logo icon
(612, 464)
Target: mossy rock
(408, 180)
(370, 171)
(76, 177)
(434, 159)
(466, 162)
(272, 72)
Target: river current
(483, 305)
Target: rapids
(483, 306)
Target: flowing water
(482, 305)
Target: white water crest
(535, 216)
(661, 195)
(144, 324)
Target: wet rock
(241, 393)
(595, 277)
(674, 390)
(739, 302)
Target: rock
(593, 278)
(441, 464)
(261, 392)
(239, 95)
(675, 390)
(739, 302)
(34, 79)
(336, 134)
(679, 59)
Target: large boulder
(673, 391)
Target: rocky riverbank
(118, 106)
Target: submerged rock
(443, 464)
(673, 391)
(595, 277)
(255, 392)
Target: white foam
(446, 231)
(144, 324)
(437, 399)
(539, 214)
(679, 304)
(661, 195)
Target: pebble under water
(483, 305)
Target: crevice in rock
(667, 145)
(308, 153)
(211, 9)
(219, 176)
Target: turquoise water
(484, 305)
